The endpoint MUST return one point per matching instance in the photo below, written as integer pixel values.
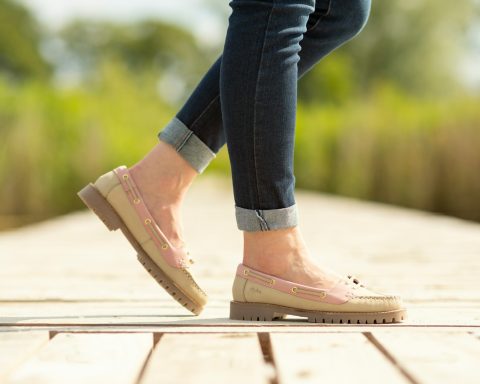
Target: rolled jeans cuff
(187, 144)
(266, 219)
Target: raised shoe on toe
(116, 200)
(259, 296)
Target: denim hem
(266, 219)
(188, 145)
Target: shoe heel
(254, 312)
(95, 201)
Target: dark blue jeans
(248, 99)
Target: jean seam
(204, 111)
(263, 222)
(184, 140)
(255, 102)
(329, 8)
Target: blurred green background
(392, 116)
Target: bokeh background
(392, 116)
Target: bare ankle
(273, 251)
(164, 170)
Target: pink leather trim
(339, 294)
(176, 257)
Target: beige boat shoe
(262, 297)
(116, 200)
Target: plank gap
(156, 338)
(403, 371)
(267, 351)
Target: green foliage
(151, 46)
(391, 148)
(52, 140)
(382, 118)
(386, 147)
(20, 39)
(333, 81)
(417, 45)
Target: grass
(385, 147)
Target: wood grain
(16, 346)
(86, 358)
(207, 358)
(339, 358)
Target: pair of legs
(247, 100)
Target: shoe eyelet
(294, 289)
(245, 272)
(136, 201)
(324, 294)
(272, 281)
(164, 246)
(148, 221)
(125, 177)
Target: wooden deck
(76, 306)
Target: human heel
(254, 311)
(94, 200)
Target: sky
(192, 14)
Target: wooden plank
(327, 357)
(434, 357)
(207, 358)
(86, 358)
(17, 346)
(168, 312)
(247, 328)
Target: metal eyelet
(245, 272)
(324, 294)
(272, 281)
(125, 177)
(148, 221)
(136, 201)
(294, 289)
(164, 246)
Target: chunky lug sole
(269, 312)
(95, 201)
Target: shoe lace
(187, 252)
(354, 280)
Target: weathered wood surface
(72, 280)
(207, 358)
(15, 347)
(331, 357)
(86, 358)
(448, 357)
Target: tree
(148, 45)
(20, 39)
(415, 44)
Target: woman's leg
(258, 88)
(258, 96)
(333, 23)
(196, 132)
